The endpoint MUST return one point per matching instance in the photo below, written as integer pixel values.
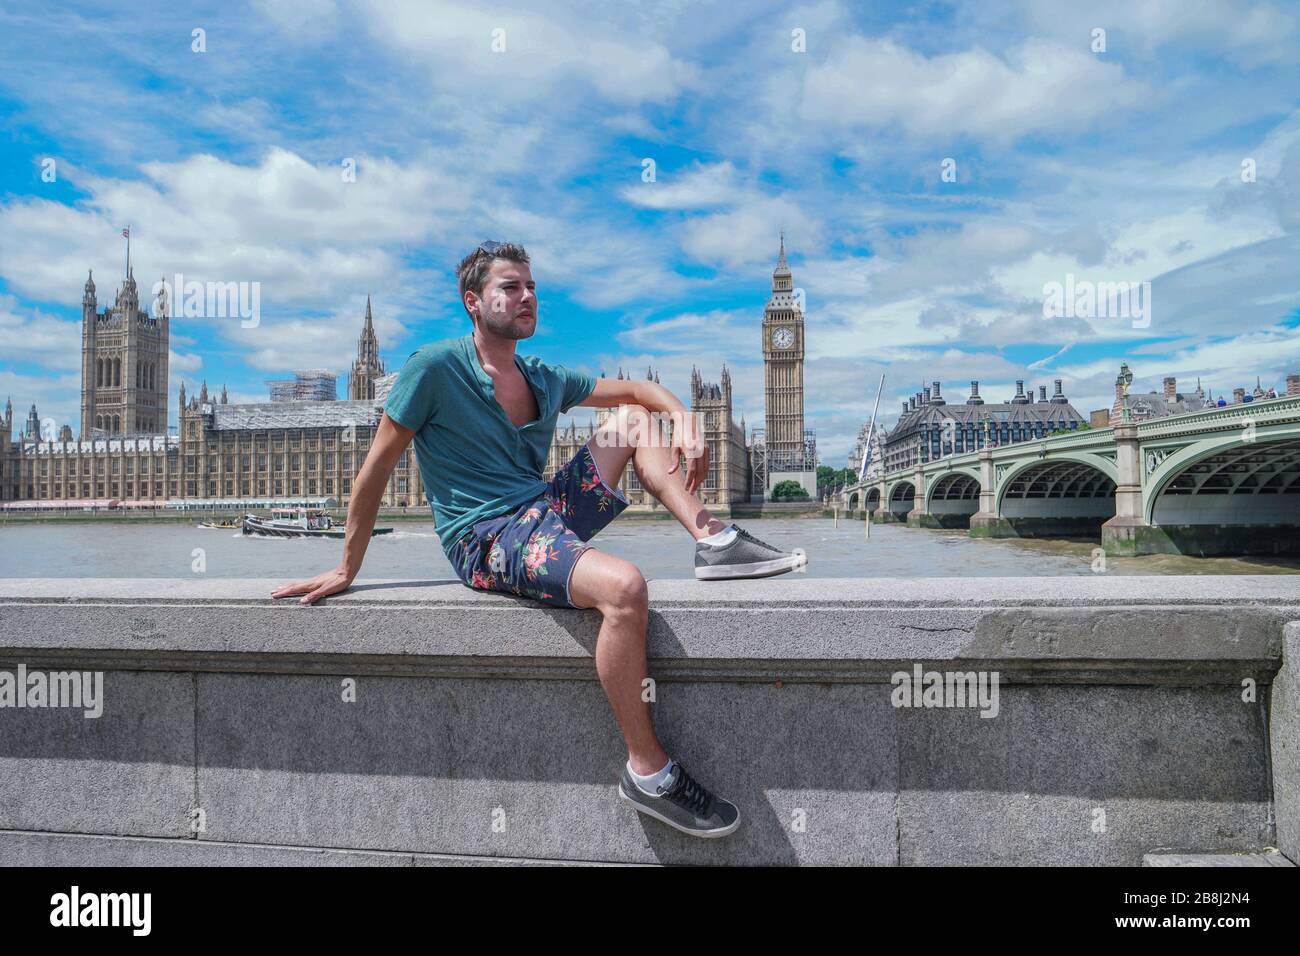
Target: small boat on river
(298, 523)
(230, 524)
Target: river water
(661, 549)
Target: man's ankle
(646, 766)
(712, 527)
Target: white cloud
(543, 52)
(1040, 86)
(1246, 32)
(746, 235)
(299, 229)
(34, 336)
(700, 185)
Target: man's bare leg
(619, 440)
(618, 590)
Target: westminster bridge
(1222, 481)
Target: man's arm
(687, 440)
(391, 439)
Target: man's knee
(637, 425)
(626, 590)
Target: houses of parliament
(304, 444)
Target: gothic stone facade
(727, 481)
(123, 366)
(271, 450)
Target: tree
(788, 490)
(832, 479)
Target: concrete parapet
(479, 729)
(1284, 740)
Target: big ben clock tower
(783, 383)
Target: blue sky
(1115, 165)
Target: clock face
(782, 338)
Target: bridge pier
(919, 516)
(987, 523)
(1128, 534)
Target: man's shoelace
(689, 794)
(745, 534)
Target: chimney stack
(1171, 389)
(1293, 384)
(926, 390)
(1020, 398)
(1059, 398)
(1042, 393)
(935, 397)
(974, 394)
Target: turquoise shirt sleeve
(576, 386)
(413, 399)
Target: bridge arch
(1060, 496)
(901, 497)
(1232, 493)
(952, 497)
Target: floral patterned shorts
(531, 552)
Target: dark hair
(473, 269)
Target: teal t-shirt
(475, 463)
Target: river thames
(661, 549)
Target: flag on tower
(126, 233)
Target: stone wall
(479, 732)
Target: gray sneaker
(743, 556)
(682, 803)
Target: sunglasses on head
(490, 246)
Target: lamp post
(1126, 381)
